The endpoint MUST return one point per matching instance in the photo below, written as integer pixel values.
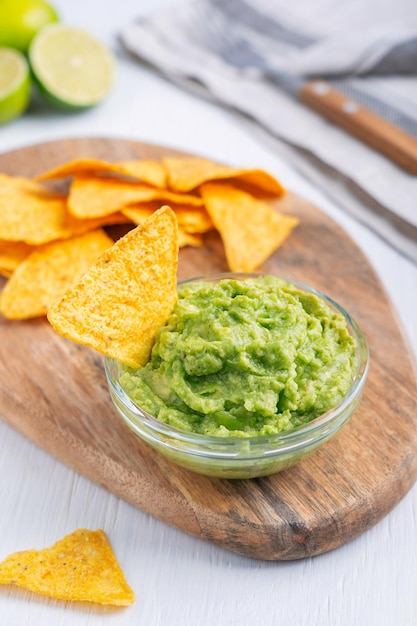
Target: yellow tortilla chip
(12, 253)
(80, 567)
(187, 173)
(192, 219)
(75, 226)
(146, 170)
(250, 229)
(138, 214)
(31, 214)
(47, 272)
(98, 196)
(123, 299)
(28, 212)
(195, 240)
(194, 222)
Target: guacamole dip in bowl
(250, 374)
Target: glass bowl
(236, 457)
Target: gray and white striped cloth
(227, 50)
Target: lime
(14, 84)
(72, 68)
(20, 20)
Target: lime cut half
(14, 84)
(72, 68)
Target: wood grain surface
(55, 393)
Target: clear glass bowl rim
(283, 441)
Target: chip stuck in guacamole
(242, 358)
(117, 306)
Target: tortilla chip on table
(80, 567)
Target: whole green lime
(20, 20)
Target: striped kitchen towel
(232, 50)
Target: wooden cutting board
(55, 393)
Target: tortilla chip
(123, 299)
(12, 253)
(195, 240)
(44, 276)
(140, 212)
(80, 567)
(250, 229)
(75, 226)
(188, 173)
(31, 214)
(145, 170)
(98, 196)
(192, 219)
(28, 212)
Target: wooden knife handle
(362, 123)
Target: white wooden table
(179, 580)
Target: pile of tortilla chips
(80, 567)
(49, 239)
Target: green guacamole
(248, 357)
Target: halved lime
(72, 68)
(14, 84)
